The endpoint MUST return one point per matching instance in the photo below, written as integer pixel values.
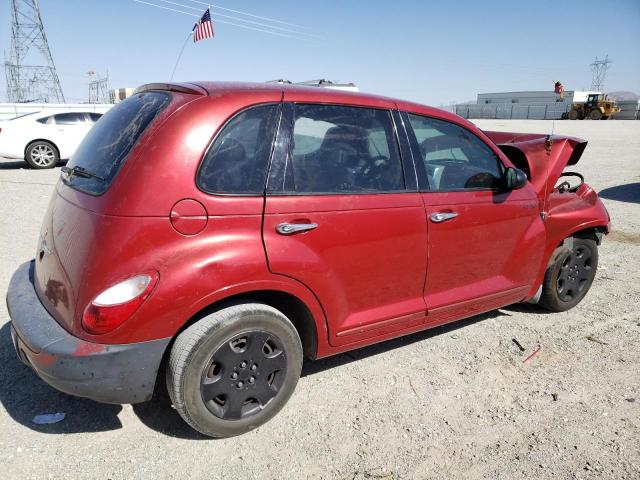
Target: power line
(248, 14)
(226, 22)
(230, 17)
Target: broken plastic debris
(535, 352)
(48, 418)
(596, 340)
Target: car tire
(569, 278)
(233, 370)
(41, 154)
(595, 114)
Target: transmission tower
(30, 71)
(599, 69)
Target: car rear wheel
(235, 369)
(568, 280)
(42, 154)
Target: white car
(44, 138)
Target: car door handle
(442, 216)
(291, 228)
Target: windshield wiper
(81, 172)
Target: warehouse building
(539, 105)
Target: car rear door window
(341, 149)
(454, 158)
(71, 118)
(237, 160)
(108, 143)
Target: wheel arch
(287, 303)
(592, 233)
(31, 142)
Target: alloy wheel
(42, 155)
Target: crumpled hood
(528, 151)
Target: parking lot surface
(453, 402)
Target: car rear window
(106, 146)
(236, 162)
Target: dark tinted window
(237, 161)
(71, 118)
(454, 157)
(338, 149)
(94, 116)
(109, 142)
(45, 120)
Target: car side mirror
(515, 178)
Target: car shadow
(22, 165)
(317, 366)
(23, 395)
(629, 193)
(13, 164)
(158, 414)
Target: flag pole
(180, 56)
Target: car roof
(300, 92)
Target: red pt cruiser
(221, 232)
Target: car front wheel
(235, 369)
(42, 154)
(568, 280)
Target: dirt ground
(454, 402)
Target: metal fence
(547, 111)
(11, 110)
(630, 110)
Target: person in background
(559, 89)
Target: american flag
(204, 28)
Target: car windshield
(23, 115)
(108, 143)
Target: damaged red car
(212, 235)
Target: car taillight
(117, 303)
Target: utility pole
(30, 72)
(599, 69)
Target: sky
(433, 52)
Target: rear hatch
(74, 222)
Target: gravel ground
(452, 402)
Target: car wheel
(235, 369)
(568, 280)
(42, 154)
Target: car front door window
(454, 158)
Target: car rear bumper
(105, 373)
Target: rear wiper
(81, 172)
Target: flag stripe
(204, 28)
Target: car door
(343, 217)
(71, 128)
(485, 242)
